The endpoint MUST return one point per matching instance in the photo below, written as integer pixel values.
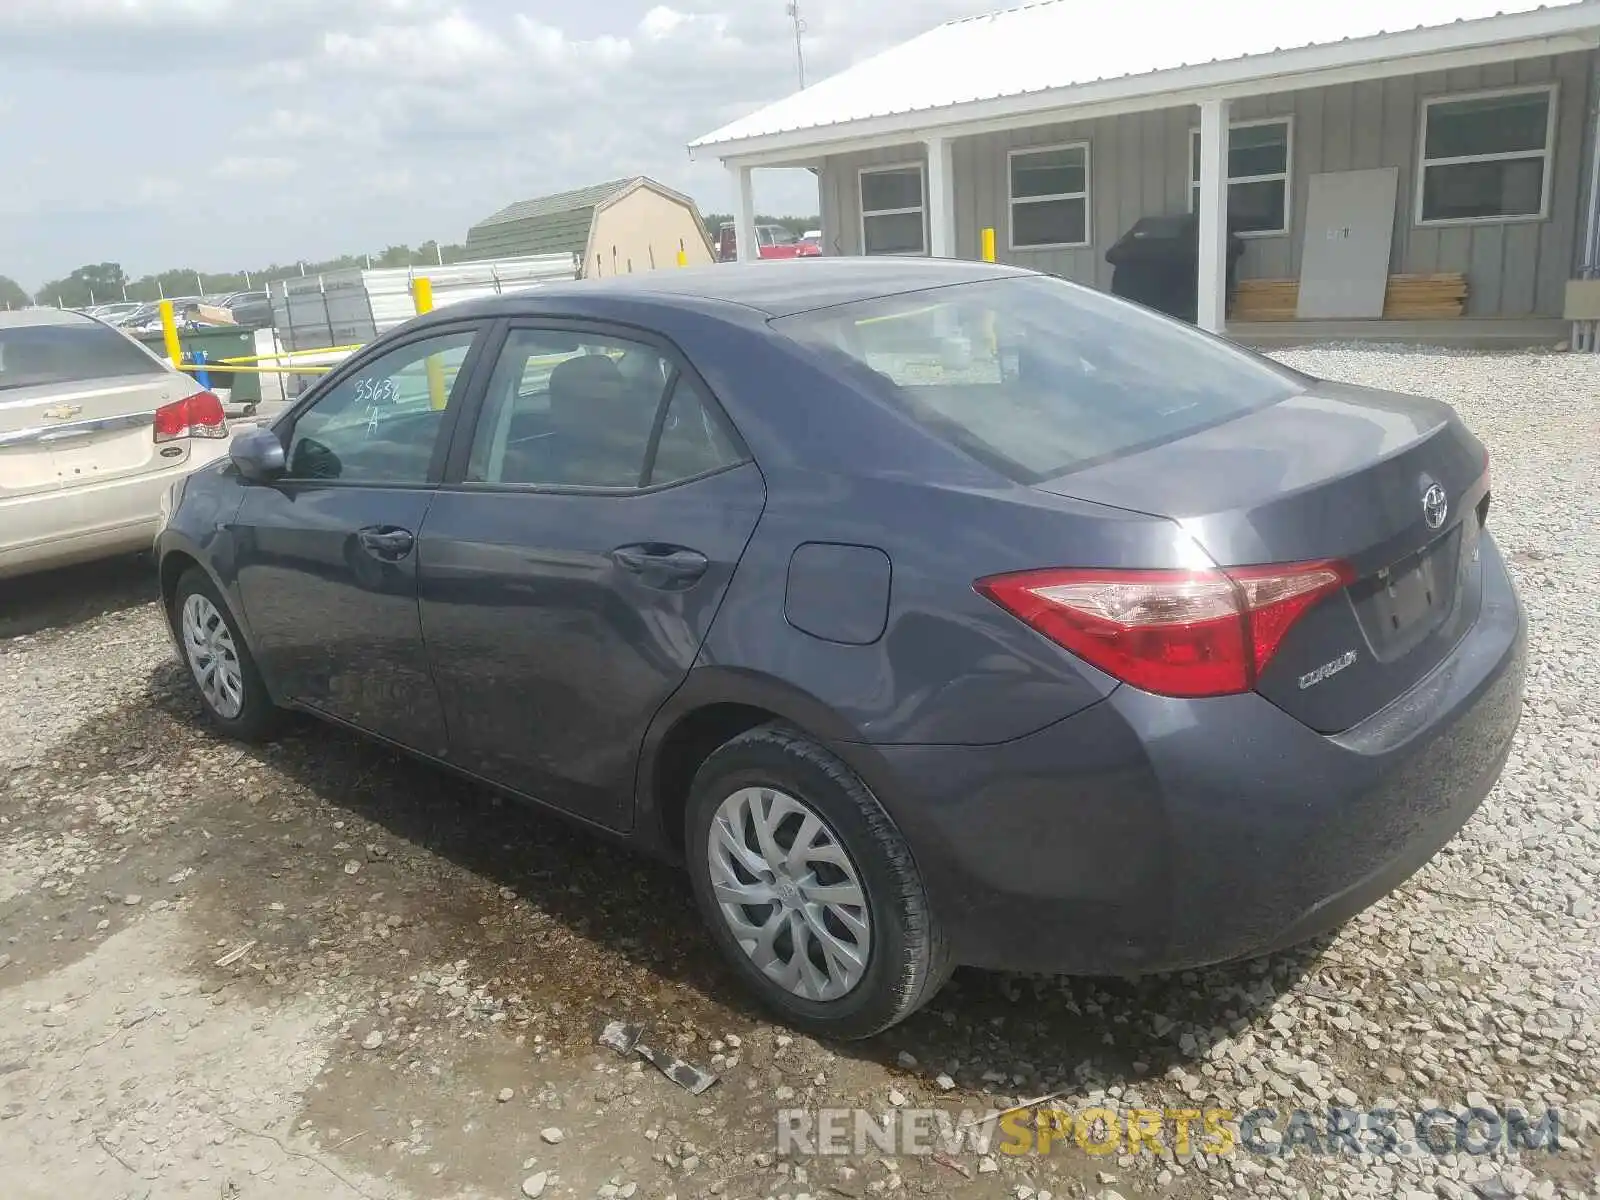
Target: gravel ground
(319, 970)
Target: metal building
(1423, 140)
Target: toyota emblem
(1435, 506)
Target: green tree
(93, 283)
(12, 294)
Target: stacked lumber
(1425, 297)
(1407, 298)
(1265, 299)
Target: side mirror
(258, 454)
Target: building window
(1486, 157)
(893, 213)
(1259, 153)
(1050, 197)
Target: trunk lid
(60, 436)
(1335, 472)
(77, 403)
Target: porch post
(744, 213)
(1211, 312)
(941, 199)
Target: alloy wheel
(213, 657)
(789, 892)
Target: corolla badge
(62, 412)
(1312, 678)
(1435, 506)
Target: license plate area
(103, 455)
(1404, 602)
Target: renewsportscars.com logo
(1101, 1130)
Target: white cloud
(354, 124)
(451, 48)
(255, 169)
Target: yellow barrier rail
(422, 297)
(290, 354)
(224, 369)
(238, 364)
(169, 333)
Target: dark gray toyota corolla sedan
(930, 612)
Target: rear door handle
(661, 565)
(385, 542)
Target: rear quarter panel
(950, 667)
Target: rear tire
(218, 662)
(824, 914)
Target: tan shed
(615, 228)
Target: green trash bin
(217, 342)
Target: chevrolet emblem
(63, 412)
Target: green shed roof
(544, 225)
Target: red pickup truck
(772, 241)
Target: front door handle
(660, 565)
(385, 542)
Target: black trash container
(1157, 263)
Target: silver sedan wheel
(790, 893)
(213, 658)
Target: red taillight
(199, 415)
(1175, 633)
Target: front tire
(220, 667)
(808, 888)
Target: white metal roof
(1062, 53)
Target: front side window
(380, 426)
(571, 409)
(893, 215)
(1050, 197)
(1035, 376)
(1258, 176)
(1486, 157)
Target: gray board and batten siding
(1139, 165)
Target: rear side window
(570, 409)
(31, 355)
(1037, 377)
(692, 441)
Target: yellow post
(683, 257)
(988, 245)
(422, 296)
(169, 333)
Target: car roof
(775, 288)
(23, 318)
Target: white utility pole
(793, 11)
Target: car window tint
(381, 424)
(693, 438)
(33, 355)
(568, 409)
(1038, 377)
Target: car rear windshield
(31, 355)
(1038, 377)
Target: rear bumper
(1148, 834)
(93, 520)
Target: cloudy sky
(228, 133)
